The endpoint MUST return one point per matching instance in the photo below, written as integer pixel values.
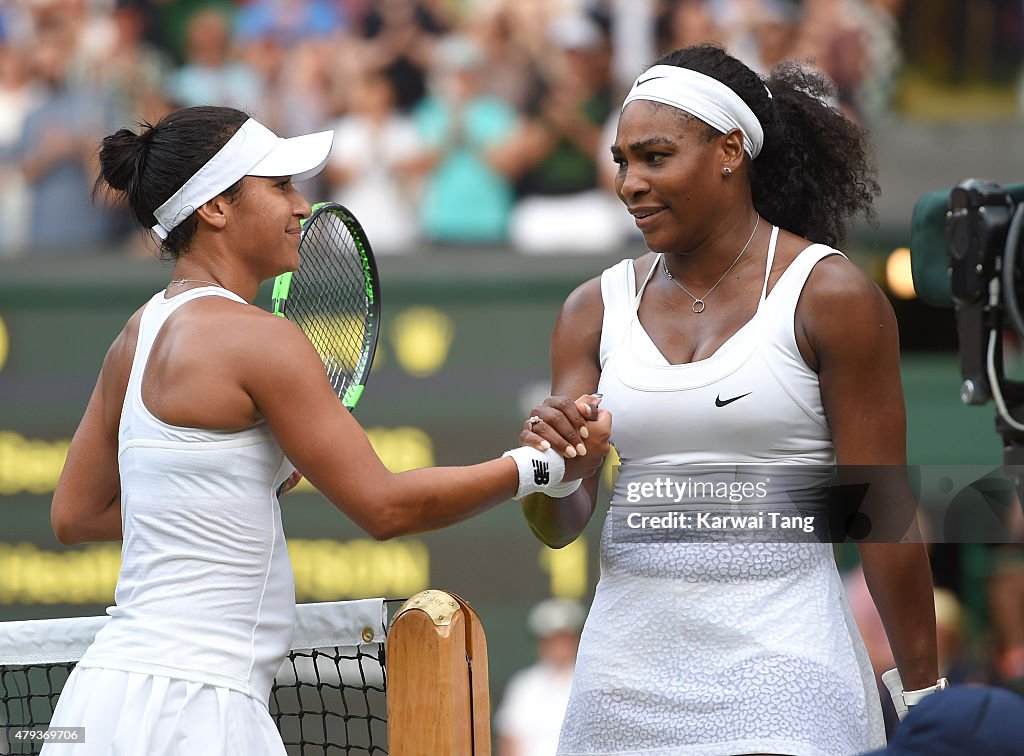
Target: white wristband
(892, 682)
(913, 697)
(540, 472)
(904, 699)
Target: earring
(727, 171)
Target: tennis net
(328, 697)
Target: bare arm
(852, 331)
(525, 148)
(86, 503)
(327, 445)
(575, 370)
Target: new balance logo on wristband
(541, 477)
(540, 472)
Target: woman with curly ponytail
(747, 357)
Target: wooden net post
(438, 696)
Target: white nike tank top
(754, 400)
(206, 591)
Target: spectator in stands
(291, 46)
(377, 163)
(297, 84)
(833, 41)
(776, 34)
(685, 23)
(56, 152)
(401, 35)
(18, 97)
(467, 196)
(956, 663)
(1005, 587)
(210, 76)
(129, 68)
(527, 21)
(288, 22)
(533, 707)
(561, 207)
(740, 22)
(508, 67)
(882, 54)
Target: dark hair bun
(123, 158)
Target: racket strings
(329, 300)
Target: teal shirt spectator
(465, 199)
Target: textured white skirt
(130, 714)
(713, 649)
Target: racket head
(334, 297)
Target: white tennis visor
(253, 150)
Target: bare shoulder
(116, 370)
(577, 332)
(229, 343)
(841, 308)
(122, 351)
(236, 328)
(836, 285)
(586, 301)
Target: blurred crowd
(458, 122)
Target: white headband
(253, 150)
(702, 96)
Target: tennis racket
(334, 297)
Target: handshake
(563, 442)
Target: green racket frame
(282, 285)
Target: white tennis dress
(717, 648)
(205, 600)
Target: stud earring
(727, 171)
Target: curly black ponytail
(813, 174)
(146, 168)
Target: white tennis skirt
(135, 714)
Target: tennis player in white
(204, 407)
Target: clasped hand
(578, 429)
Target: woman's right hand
(583, 466)
(563, 424)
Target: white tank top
(692, 413)
(206, 591)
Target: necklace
(698, 302)
(183, 281)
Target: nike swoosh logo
(650, 78)
(719, 402)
